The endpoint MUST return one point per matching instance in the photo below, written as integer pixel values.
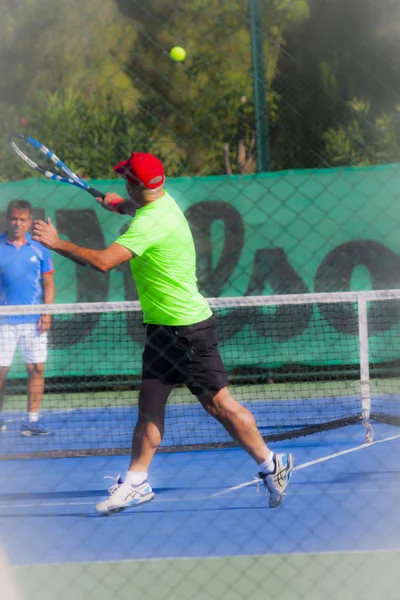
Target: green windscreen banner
(291, 232)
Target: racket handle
(96, 193)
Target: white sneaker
(277, 482)
(123, 495)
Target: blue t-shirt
(21, 272)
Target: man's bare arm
(49, 288)
(49, 294)
(101, 260)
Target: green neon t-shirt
(164, 267)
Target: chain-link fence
(279, 134)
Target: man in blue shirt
(26, 277)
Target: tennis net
(300, 363)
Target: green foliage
(338, 53)
(89, 136)
(94, 81)
(363, 139)
(200, 101)
(46, 46)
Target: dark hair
(19, 205)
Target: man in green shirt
(181, 344)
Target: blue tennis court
(207, 524)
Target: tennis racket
(41, 159)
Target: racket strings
(43, 163)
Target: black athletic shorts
(185, 354)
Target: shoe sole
(31, 434)
(290, 466)
(114, 511)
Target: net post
(365, 388)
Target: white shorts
(25, 335)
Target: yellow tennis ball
(177, 54)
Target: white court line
(310, 463)
(199, 498)
(50, 504)
(175, 501)
(39, 504)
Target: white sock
(33, 417)
(268, 466)
(135, 477)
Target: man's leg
(149, 429)
(35, 386)
(274, 469)
(147, 436)
(3, 375)
(34, 350)
(239, 423)
(8, 344)
(35, 395)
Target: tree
(195, 108)
(363, 140)
(90, 136)
(63, 81)
(66, 67)
(48, 46)
(346, 49)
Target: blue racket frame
(70, 177)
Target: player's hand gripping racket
(31, 151)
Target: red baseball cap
(142, 168)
